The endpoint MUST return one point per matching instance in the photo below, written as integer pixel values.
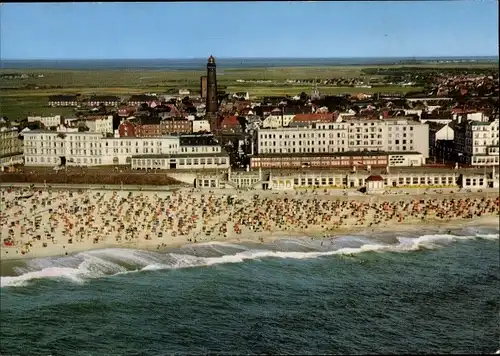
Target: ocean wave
(116, 261)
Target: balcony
(492, 150)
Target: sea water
(432, 293)
(240, 63)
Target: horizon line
(230, 58)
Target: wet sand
(40, 223)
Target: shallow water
(435, 293)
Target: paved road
(333, 192)
(95, 186)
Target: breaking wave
(83, 266)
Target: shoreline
(50, 223)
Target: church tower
(212, 106)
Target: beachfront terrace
(358, 180)
(216, 160)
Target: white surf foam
(488, 237)
(50, 272)
(220, 244)
(110, 262)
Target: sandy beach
(49, 222)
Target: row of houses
(94, 123)
(150, 127)
(75, 100)
(130, 127)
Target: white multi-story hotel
(477, 143)
(120, 150)
(11, 147)
(49, 148)
(312, 139)
(354, 135)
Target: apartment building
(389, 135)
(176, 126)
(477, 142)
(99, 124)
(354, 135)
(331, 137)
(46, 121)
(11, 147)
(201, 126)
(148, 128)
(277, 119)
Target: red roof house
(230, 123)
(127, 129)
(374, 179)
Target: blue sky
(248, 29)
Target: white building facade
(49, 148)
(275, 121)
(102, 124)
(47, 121)
(120, 150)
(11, 147)
(388, 135)
(316, 138)
(481, 144)
(471, 116)
(201, 126)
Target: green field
(22, 97)
(19, 107)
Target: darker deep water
(234, 63)
(440, 298)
